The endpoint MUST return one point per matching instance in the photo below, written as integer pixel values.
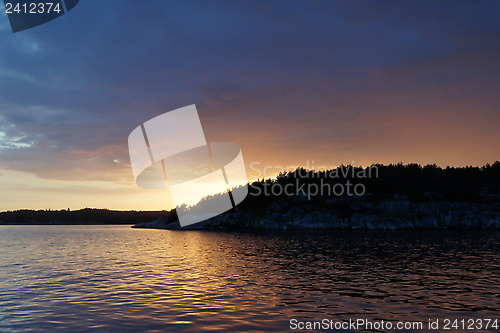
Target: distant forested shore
(81, 216)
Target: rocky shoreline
(396, 213)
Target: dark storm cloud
(296, 73)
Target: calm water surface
(113, 278)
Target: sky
(318, 83)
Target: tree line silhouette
(411, 181)
(82, 216)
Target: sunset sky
(288, 81)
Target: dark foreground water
(113, 278)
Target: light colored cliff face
(392, 214)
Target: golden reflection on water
(117, 278)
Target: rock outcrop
(395, 213)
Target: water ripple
(109, 278)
